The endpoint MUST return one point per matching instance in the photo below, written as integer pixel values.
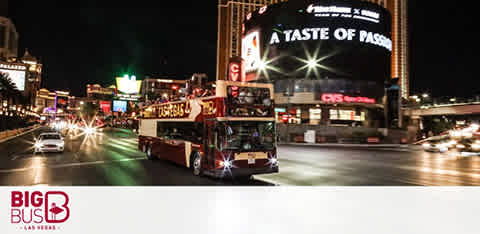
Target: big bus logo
(36, 209)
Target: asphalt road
(307, 166)
(111, 159)
(107, 159)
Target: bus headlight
(226, 164)
(273, 161)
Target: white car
(49, 142)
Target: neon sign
(128, 85)
(340, 98)
(344, 12)
(251, 51)
(234, 71)
(339, 34)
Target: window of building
(2, 36)
(347, 115)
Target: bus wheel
(197, 164)
(149, 153)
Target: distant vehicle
(440, 146)
(469, 145)
(49, 142)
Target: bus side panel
(148, 128)
(147, 131)
(160, 148)
(175, 151)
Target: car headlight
(426, 145)
(38, 145)
(476, 146)
(460, 146)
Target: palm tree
(9, 93)
(8, 89)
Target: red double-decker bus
(230, 134)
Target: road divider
(11, 134)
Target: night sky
(94, 44)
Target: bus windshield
(247, 136)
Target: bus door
(210, 134)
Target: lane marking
(70, 165)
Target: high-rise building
(8, 39)
(400, 59)
(4, 8)
(231, 14)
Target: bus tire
(149, 154)
(197, 164)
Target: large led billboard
(17, 73)
(128, 85)
(251, 51)
(106, 107)
(347, 40)
(119, 106)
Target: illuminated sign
(176, 110)
(234, 71)
(209, 108)
(339, 34)
(12, 67)
(128, 85)
(119, 106)
(340, 98)
(106, 107)
(128, 97)
(344, 12)
(262, 10)
(251, 51)
(17, 77)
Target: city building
(231, 14)
(400, 51)
(316, 55)
(51, 103)
(8, 39)
(96, 91)
(26, 71)
(33, 77)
